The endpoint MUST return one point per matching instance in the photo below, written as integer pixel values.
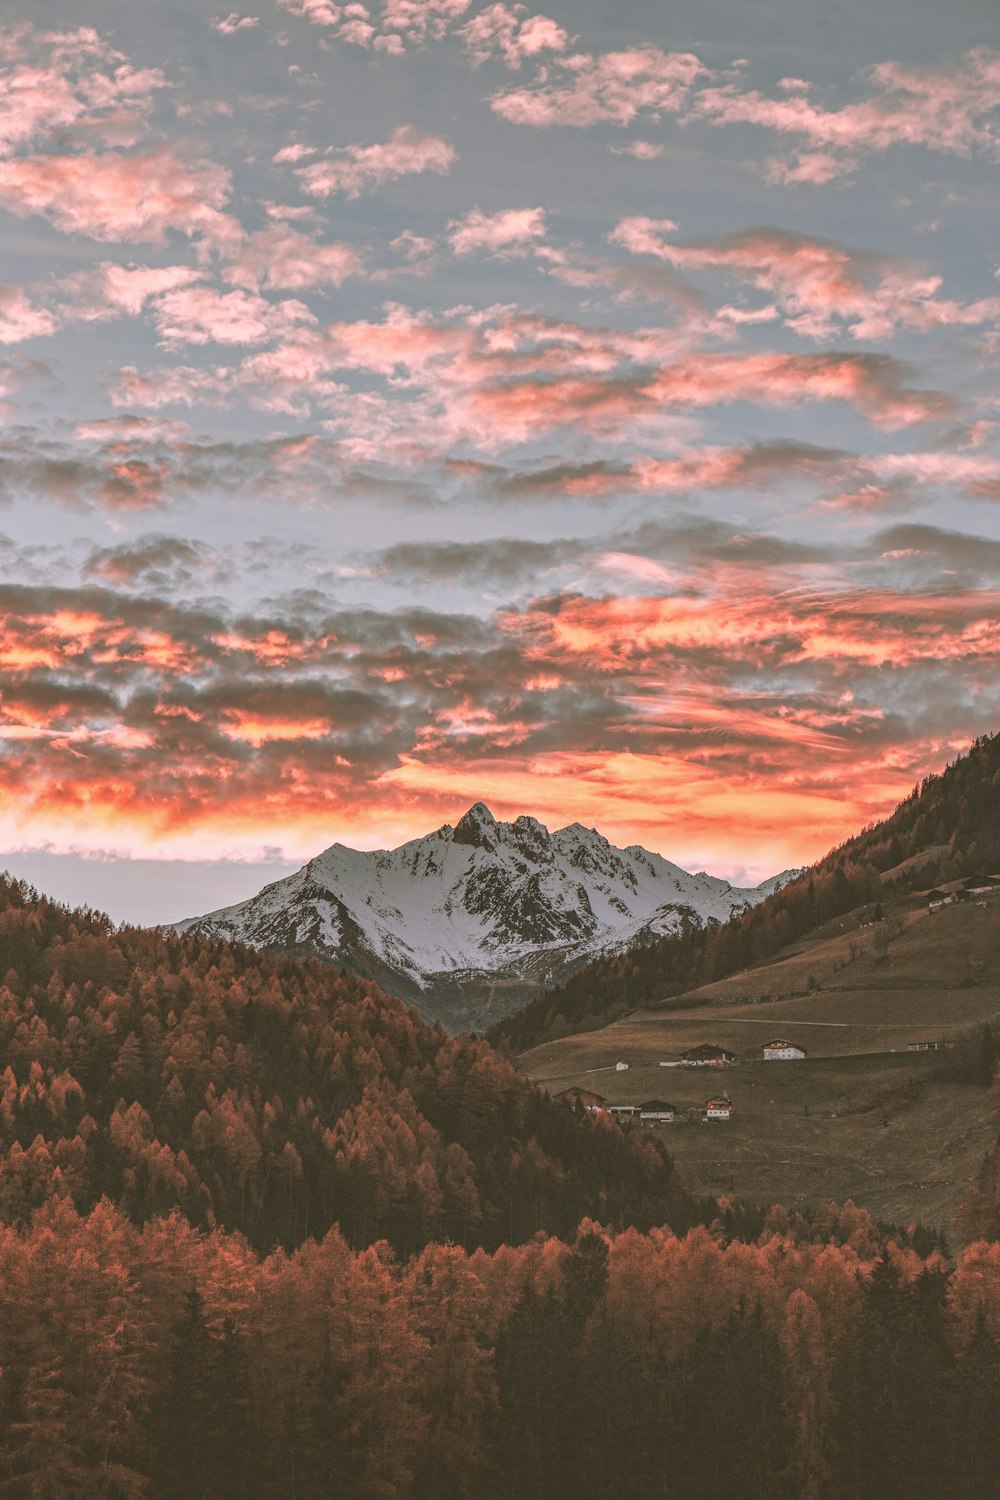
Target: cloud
(402, 21)
(283, 259)
(20, 319)
(817, 283)
(641, 150)
(613, 88)
(72, 80)
(200, 315)
(773, 670)
(358, 169)
(510, 232)
(233, 23)
(112, 196)
(950, 109)
(151, 562)
(500, 379)
(320, 12)
(508, 31)
(421, 20)
(133, 462)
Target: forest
(266, 1235)
(820, 1360)
(278, 1098)
(953, 819)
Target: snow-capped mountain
(469, 921)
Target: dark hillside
(275, 1098)
(948, 827)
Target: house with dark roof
(707, 1055)
(658, 1112)
(596, 1104)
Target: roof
(707, 1049)
(720, 1102)
(581, 1096)
(659, 1105)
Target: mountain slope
(947, 828)
(470, 920)
(273, 1098)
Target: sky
(590, 411)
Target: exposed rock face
(469, 921)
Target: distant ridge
(468, 921)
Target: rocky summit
(467, 922)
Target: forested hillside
(820, 1363)
(278, 1099)
(951, 820)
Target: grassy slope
(860, 1117)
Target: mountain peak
(476, 828)
(467, 922)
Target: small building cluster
(654, 1112)
(707, 1055)
(970, 888)
(939, 1046)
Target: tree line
(819, 1362)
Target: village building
(596, 1104)
(719, 1109)
(623, 1112)
(970, 887)
(781, 1050)
(707, 1055)
(939, 1046)
(658, 1112)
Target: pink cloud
(512, 230)
(294, 153)
(421, 20)
(130, 287)
(20, 319)
(641, 150)
(509, 31)
(200, 315)
(359, 169)
(234, 22)
(401, 21)
(319, 12)
(612, 88)
(947, 109)
(71, 79)
(116, 197)
(86, 297)
(284, 259)
(501, 378)
(816, 283)
(180, 386)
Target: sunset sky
(591, 411)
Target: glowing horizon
(427, 402)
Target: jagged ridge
(467, 921)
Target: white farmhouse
(781, 1050)
(720, 1108)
